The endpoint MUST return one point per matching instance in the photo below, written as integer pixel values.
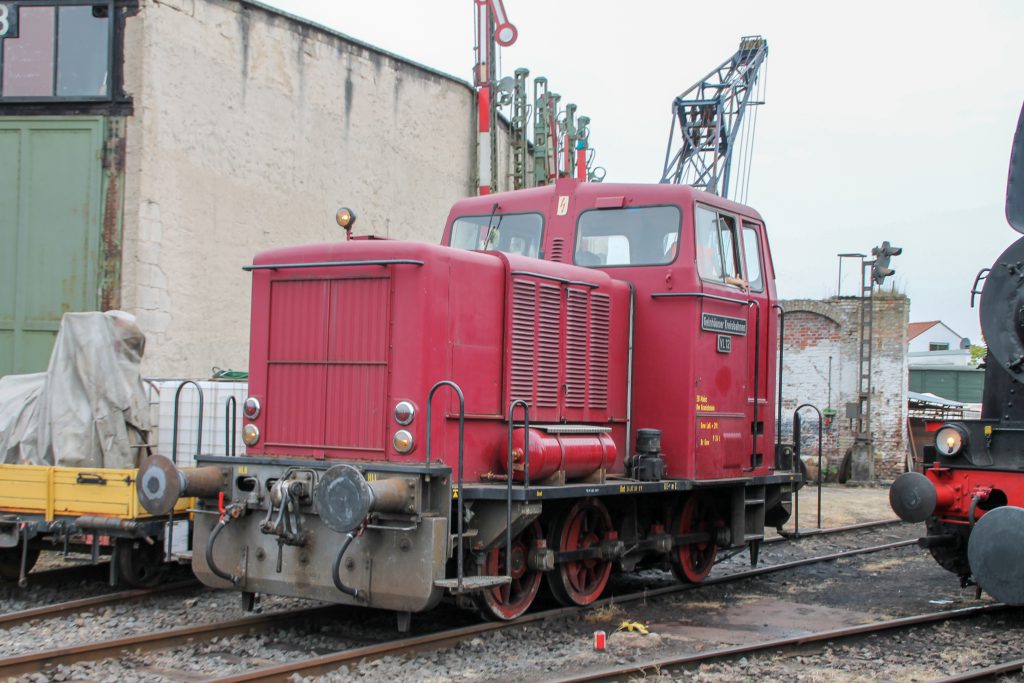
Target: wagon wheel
(10, 562)
(508, 601)
(693, 561)
(139, 564)
(585, 525)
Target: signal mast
(492, 29)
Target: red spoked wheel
(506, 602)
(693, 561)
(585, 525)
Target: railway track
(434, 641)
(675, 663)
(72, 606)
(47, 660)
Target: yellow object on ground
(632, 627)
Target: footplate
(471, 584)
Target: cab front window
(635, 236)
(516, 233)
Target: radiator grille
(560, 347)
(548, 343)
(600, 321)
(524, 315)
(557, 249)
(327, 364)
(576, 349)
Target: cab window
(718, 251)
(752, 257)
(636, 236)
(514, 233)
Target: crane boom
(709, 116)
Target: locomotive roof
(633, 193)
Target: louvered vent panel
(548, 338)
(576, 349)
(600, 317)
(524, 326)
(557, 249)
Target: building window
(56, 50)
(938, 346)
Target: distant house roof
(915, 329)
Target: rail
(333, 264)
(796, 455)
(462, 443)
(230, 416)
(174, 452)
(526, 474)
(174, 429)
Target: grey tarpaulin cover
(89, 407)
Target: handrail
(462, 427)
(331, 264)
(778, 405)
(555, 278)
(699, 295)
(230, 415)
(526, 474)
(174, 431)
(796, 452)
(757, 379)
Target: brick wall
(820, 365)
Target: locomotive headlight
(251, 408)
(402, 441)
(950, 440)
(404, 412)
(250, 434)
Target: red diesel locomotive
(582, 378)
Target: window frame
(679, 234)
(737, 229)
(540, 237)
(115, 53)
(755, 227)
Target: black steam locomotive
(971, 491)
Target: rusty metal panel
(50, 215)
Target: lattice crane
(709, 118)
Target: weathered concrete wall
(251, 129)
(823, 333)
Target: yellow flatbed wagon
(81, 509)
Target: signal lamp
(405, 411)
(251, 408)
(345, 217)
(250, 434)
(402, 441)
(950, 440)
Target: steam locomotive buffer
(971, 494)
(581, 379)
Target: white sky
(884, 120)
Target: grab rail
(526, 474)
(462, 427)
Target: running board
(471, 584)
